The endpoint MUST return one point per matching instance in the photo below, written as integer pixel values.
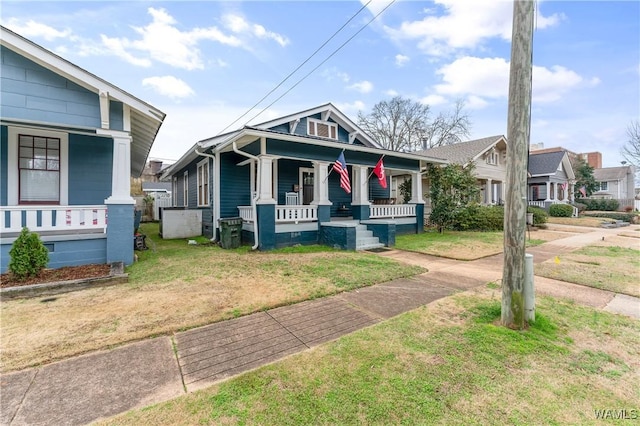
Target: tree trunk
(518, 134)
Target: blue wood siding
(321, 153)
(90, 169)
(301, 128)
(4, 146)
(288, 175)
(235, 186)
(337, 195)
(29, 91)
(116, 115)
(375, 190)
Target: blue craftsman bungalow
(69, 141)
(278, 177)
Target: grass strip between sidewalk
(446, 363)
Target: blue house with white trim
(277, 176)
(69, 142)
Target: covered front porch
(297, 197)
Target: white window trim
(174, 188)
(493, 158)
(185, 189)
(202, 164)
(606, 185)
(327, 123)
(12, 160)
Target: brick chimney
(155, 166)
(594, 159)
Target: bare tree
(401, 124)
(631, 149)
(447, 128)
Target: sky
(206, 63)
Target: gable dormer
(325, 121)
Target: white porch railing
(53, 218)
(378, 211)
(541, 204)
(296, 214)
(284, 214)
(537, 204)
(246, 213)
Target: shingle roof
(610, 173)
(461, 152)
(545, 163)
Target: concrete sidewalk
(84, 389)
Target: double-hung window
(604, 186)
(203, 183)
(39, 169)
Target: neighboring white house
(615, 182)
(489, 156)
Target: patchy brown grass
(592, 222)
(602, 265)
(177, 287)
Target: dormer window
(323, 129)
(492, 157)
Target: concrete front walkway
(83, 389)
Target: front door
(306, 185)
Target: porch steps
(365, 239)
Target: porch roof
(247, 135)
(145, 118)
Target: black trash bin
(230, 232)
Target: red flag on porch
(340, 166)
(379, 171)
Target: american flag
(340, 166)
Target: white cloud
(351, 108)
(169, 85)
(239, 25)
(475, 102)
(333, 73)
(463, 24)
(162, 41)
(433, 100)
(391, 93)
(401, 60)
(490, 79)
(33, 29)
(362, 86)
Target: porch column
(489, 192)
(120, 204)
(572, 188)
(121, 168)
(565, 196)
(266, 206)
(321, 191)
(548, 191)
(265, 195)
(360, 194)
(416, 198)
(416, 189)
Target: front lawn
(609, 268)
(445, 363)
(175, 286)
(466, 245)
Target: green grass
(608, 268)
(457, 244)
(418, 369)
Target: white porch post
(416, 188)
(321, 183)
(489, 192)
(572, 188)
(360, 194)
(548, 198)
(121, 170)
(265, 196)
(565, 196)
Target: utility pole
(518, 134)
